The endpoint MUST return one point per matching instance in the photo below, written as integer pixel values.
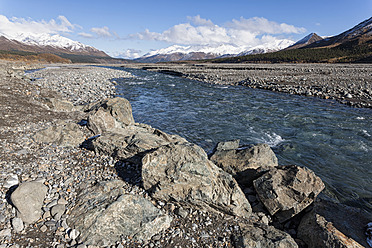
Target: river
(332, 139)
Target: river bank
(347, 83)
(41, 144)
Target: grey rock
(110, 114)
(104, 213)
(65, 135)
(43, 228)
(58, 104)
(11, 181)
(5, 232)
(261, 235)
(28, 199)
(227, 145)
(287, 190)
(181, 212)
(132, 140)
(183, 173)
(57, 211)
(17, 224)
(333, 223)
(73, 234)
(244, 163)
(316, 231)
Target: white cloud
(85, 35)
(197, 20)
(200, 31)
(101, 32)
(16, 26)
(260, 25)
(128, 54)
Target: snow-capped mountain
(177, 52)
(46, 43)
(361, 33)
(307, 40)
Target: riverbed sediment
(51, 99)
(346, 83)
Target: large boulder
(287, 190)
(131, 140)
(65, 135)
(109, 114)
(261, 235)
(183, 173)
(28, 199)
(244, 163)
(104, 213)
(316, 232)
(331, 223)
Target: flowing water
(333, 140)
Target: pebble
(73, 234)
(17, 224)
(11, 181)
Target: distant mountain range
(353, 45)
(53, 44)
(177, 52)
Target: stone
(17, 224)
(105, 213)
(132, 140)
(244, 163)
(287, 190)
(5, 232)
(316, 231)
(261, 235)
(28, 199)
(347, 220)
(58, 104)
(65, 135)
(57, 211)
(11, 181)
(43, 228)
(73, 234)
(110, 114)
(226, 145)
(183, 173)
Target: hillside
(63, 50)
(351, 46)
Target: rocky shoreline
(346, 83)
(78, 171)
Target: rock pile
(152, 189)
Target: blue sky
(141, 25)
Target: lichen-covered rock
(58, 104)
(261, 235)
(244, 163)
(110, 114)
(28, 199)
(287, 190)
(316, 232)
(105, 212)
(64, 135)
(348, 220)
(183, 173)
(131, 140)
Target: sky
(135, 27)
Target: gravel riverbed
(36, 101)
(66, 170)
(347, 83)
